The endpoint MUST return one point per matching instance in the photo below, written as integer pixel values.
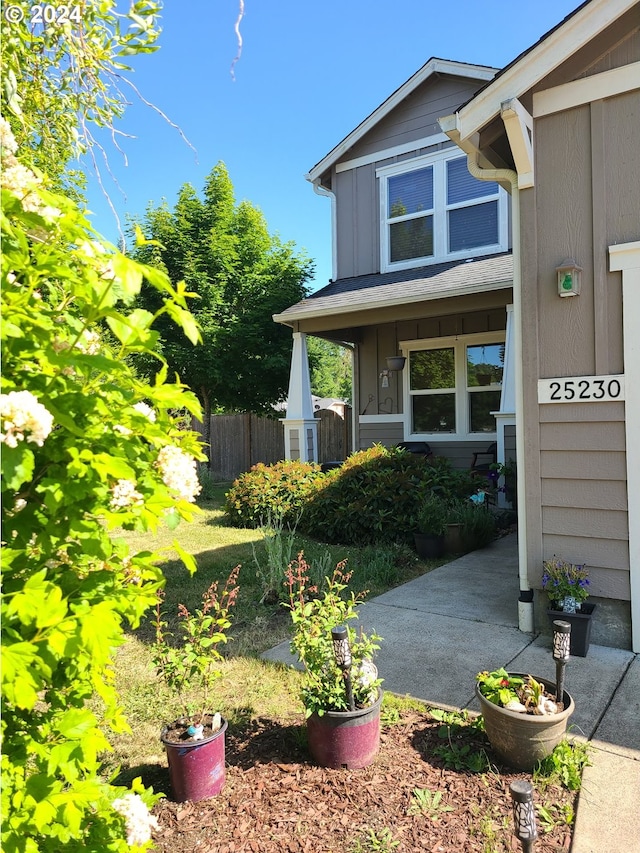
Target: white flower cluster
(21, 413)
(89, 343)
(179, 473)
(124, 494)
(139, 822)
(146, 410)
(17, 178)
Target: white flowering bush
(87, 447)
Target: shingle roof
(455, 278)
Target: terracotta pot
(580, 627)
(349, 739)
(521, 740)
(196, 768)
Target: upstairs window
(433, 210)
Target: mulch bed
(276, 801)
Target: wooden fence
(240, 441)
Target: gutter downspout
(525, 600)
(323, 191)
(450, 126)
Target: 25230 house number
(581, 389)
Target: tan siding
(417, 116)
(563, 189)
(582, 436)
(587, 522)
(388, 434)
(572, 412)
(604, 557)
(590, 494)
(607, 465)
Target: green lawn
(249, 686)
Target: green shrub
(278, 491)
(375, 496)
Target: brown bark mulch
(276, 801)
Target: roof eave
(290, 317)
(433, 66)
(536, 63)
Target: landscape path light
(524, 817)
(561, 649)
(342, 654)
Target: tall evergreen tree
(241, 275)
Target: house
(502, 240)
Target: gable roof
(532, 66)
(434, 66)
(402, 287)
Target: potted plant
(431, 524)
(195, 741)
(341, 689)
(523, 718)
(470, 525)
(567, 585)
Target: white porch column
(626, 257)
(300, 425)
(506, 414)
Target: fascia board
(369, 305)
(433, 66)
(539, 61)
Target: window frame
(439, 212)
(459, 344)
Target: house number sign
(581, 389)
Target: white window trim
(440, 236)
(458, 343)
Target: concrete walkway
(442, 628)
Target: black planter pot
(428, 546)
(349, 739)
(580, 627)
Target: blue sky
(309, 73)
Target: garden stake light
(342, 654)
(524, 816)
(561, 646)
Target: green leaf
(75, 723)
(18, 464)
(187, 559)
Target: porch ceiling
(385, 290)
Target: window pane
(462, 186)
(470, 227)
(481, 403)
(434, 413)
(412, 238)
(485, 364)
(411, 192)
(433, 368)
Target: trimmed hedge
(373, 497)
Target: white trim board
(396, 151)
(578, 30)
(595, 88)
(626, 259)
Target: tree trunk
(205, 399)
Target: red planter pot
(196, 768)
(349, 739)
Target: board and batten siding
(585, 200)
